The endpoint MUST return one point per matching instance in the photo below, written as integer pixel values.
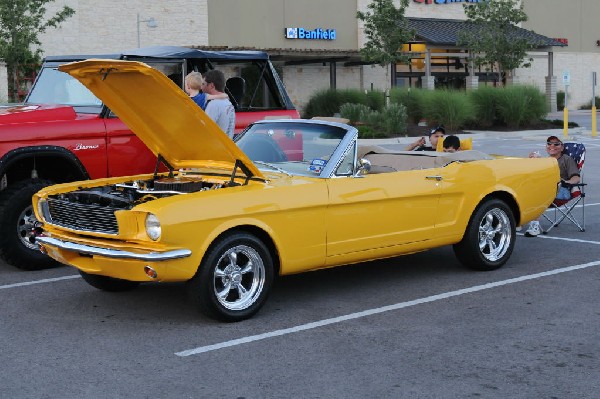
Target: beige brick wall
(578, 65)
(111, 25)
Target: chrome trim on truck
(114, 253)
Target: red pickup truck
(63, 133)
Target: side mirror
(364, 167)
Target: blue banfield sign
(308, 34)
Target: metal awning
(445, 32)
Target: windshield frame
(308, 133)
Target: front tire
(234, 278)
(16, 226)
(109, 284)
(490, 237)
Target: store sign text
(306, 34)
(446, 1)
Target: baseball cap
(553, 138)
(439, 128)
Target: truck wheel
(490, 237)
(109, 284)
(234, 278)
(16, 226)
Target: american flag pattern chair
(572, 209)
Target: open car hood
(160, 114)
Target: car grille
(83, 217)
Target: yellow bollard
(594, 132)
(566, 123)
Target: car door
(379, 211)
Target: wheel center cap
(236, 278)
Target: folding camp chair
(565, 209)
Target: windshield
(55, 87)
(298, 148)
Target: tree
(387, 30)
(20, 23)
(491, 33)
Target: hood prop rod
(160, 160)
(244, 168)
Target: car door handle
(438, 177)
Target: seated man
(434, 135)
(451, 144)
(569, 174)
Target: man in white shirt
(220, 110)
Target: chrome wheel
(25, 225)
(239, 277)
(495, 234)
(489, 237)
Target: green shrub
(375, 99)
(518, 105)
(589, 103)
(537, 107)
(560, 100)
(371, 120)
(412, 99)
(447, 107)
(353, 112)
(328, 102)
(393, 119)
(512, 108)
(484, 101)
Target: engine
(93, 209)
(127, 195)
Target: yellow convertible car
(288, 196)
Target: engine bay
(129, 194)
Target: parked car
(227, 218)
(63, 132)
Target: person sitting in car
(451, 143)
(434, 135)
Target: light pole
(150, 23)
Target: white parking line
(47, 280)
(370, 312)
(569, 239)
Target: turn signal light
(150, 272)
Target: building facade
(573, 22)
(315, 43)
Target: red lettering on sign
(562, 40)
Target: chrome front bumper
(113, 253)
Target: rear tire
(109, 284)
(16, 226)
(490, 237)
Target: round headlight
(152, 227)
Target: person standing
(219, 109)
(193, 87)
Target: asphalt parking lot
(418, 326)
